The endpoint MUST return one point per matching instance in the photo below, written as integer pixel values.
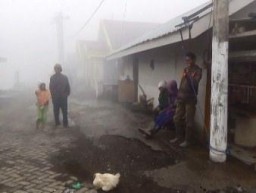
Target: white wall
(110, 72)
(164, 69)
(95, 75)
(126, 68)
(169, 64)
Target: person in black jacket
(60, 90)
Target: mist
(28, 38)
(127, 95)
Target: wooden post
(136, 77)
(219, 81)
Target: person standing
(187, 99)
(43, 97)
(60, 90)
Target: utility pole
(59, 20)
(219, 82)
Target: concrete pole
(219, 82)
(60, 37)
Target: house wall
(95, 75)
(169, 65)
(126, 68)
(80, 67)
(165, 68)
(243, 13)
(90, 68)
(110, 72)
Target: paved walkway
(25, 153)
(27, 164)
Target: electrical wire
(90, 18)
(123, 23)
(125, 9)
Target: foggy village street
(103, 137)
(122, 66)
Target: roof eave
(199, 27)
(174, 37)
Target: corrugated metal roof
(169, 27)
(160, 36)
(122, 32)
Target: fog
(28, 37)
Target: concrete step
(247, 156)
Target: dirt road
(103, 137)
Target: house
(111, 36)
(159, 55)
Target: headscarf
(162, 84)
(173, 92)
(172, 87)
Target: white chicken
(106, 181)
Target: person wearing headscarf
(163, 98)
(165, 117)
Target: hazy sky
(28, 33)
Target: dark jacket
(163, 99)
(59, 86)
(189, 83)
